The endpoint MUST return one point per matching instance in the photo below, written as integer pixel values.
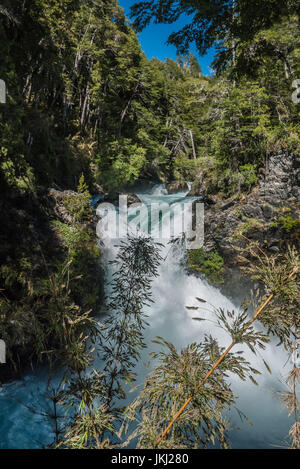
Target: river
(172, 291)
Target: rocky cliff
(270, 214)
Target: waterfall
(168, 317)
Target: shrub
(211, 265)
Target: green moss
(239, 214)
(248, 225)
(211, 265)
(287, 223)
(248, 171)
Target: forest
(87, 114)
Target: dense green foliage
(213, 22)
(211, 265)
(50, 278)
(82, 97)
(245, 113)
(82, 100)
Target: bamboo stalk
(217, 363)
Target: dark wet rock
(113, 198)
(267, 211)
(59, 197)
(252, 210)
(133, 199)
(296, 193)
(227, 205)
(173, 187)
(196, 190)
(297, 162)
(209, 200)
(297, 177)
(274, 249)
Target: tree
(212, 22)
(94, 396)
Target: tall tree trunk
(193, 145)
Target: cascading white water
(175, 289)
(168, 317)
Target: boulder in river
(173, 187)
(113, 198)
(196, 190)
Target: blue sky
(153, 40)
